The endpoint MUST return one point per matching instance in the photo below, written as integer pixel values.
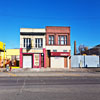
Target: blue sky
(83, 16)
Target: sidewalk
(51, 69)
(50, 72)
(56, 70)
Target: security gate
(27, 61)
(57, 62)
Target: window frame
(51, 40)
(26, 42)
(38, 42)
(64, 40)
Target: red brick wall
(53, 29)
(50, 30)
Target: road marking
(12, 74)
(57, 74)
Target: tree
(81, 48)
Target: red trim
(44, 52)
(21, 58)
(33, 60)
(60, 54)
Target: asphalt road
(50, 88)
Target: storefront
(32, 48)
(58, 47)
(32, 60)
(59, 59)
(49, 47)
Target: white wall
(58, 48)
(57, 62)
(32, 30)
(33, 40)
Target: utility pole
(4, 54)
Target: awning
(60, 54)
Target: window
(64, 50)
(38, 42)
(51, 39)
(27, 43)
(54, 50)
(62, 40)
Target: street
(50, 88)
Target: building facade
(2, 49)
(13, 55)
(58, 47)
(32, 48)
(49, 47)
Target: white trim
(32, 30)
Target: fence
(85, 61)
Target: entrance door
(37, 60)
(27, 61)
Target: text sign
(36, 59)
(60, 53)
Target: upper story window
(38, 42)
(27, 43)
(51, 39)
(64, 50)
(62, 40)
(54, 50)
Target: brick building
(92, 51)
(49, 47)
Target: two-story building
(32, 48)
(49, 47)
(58, 47)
